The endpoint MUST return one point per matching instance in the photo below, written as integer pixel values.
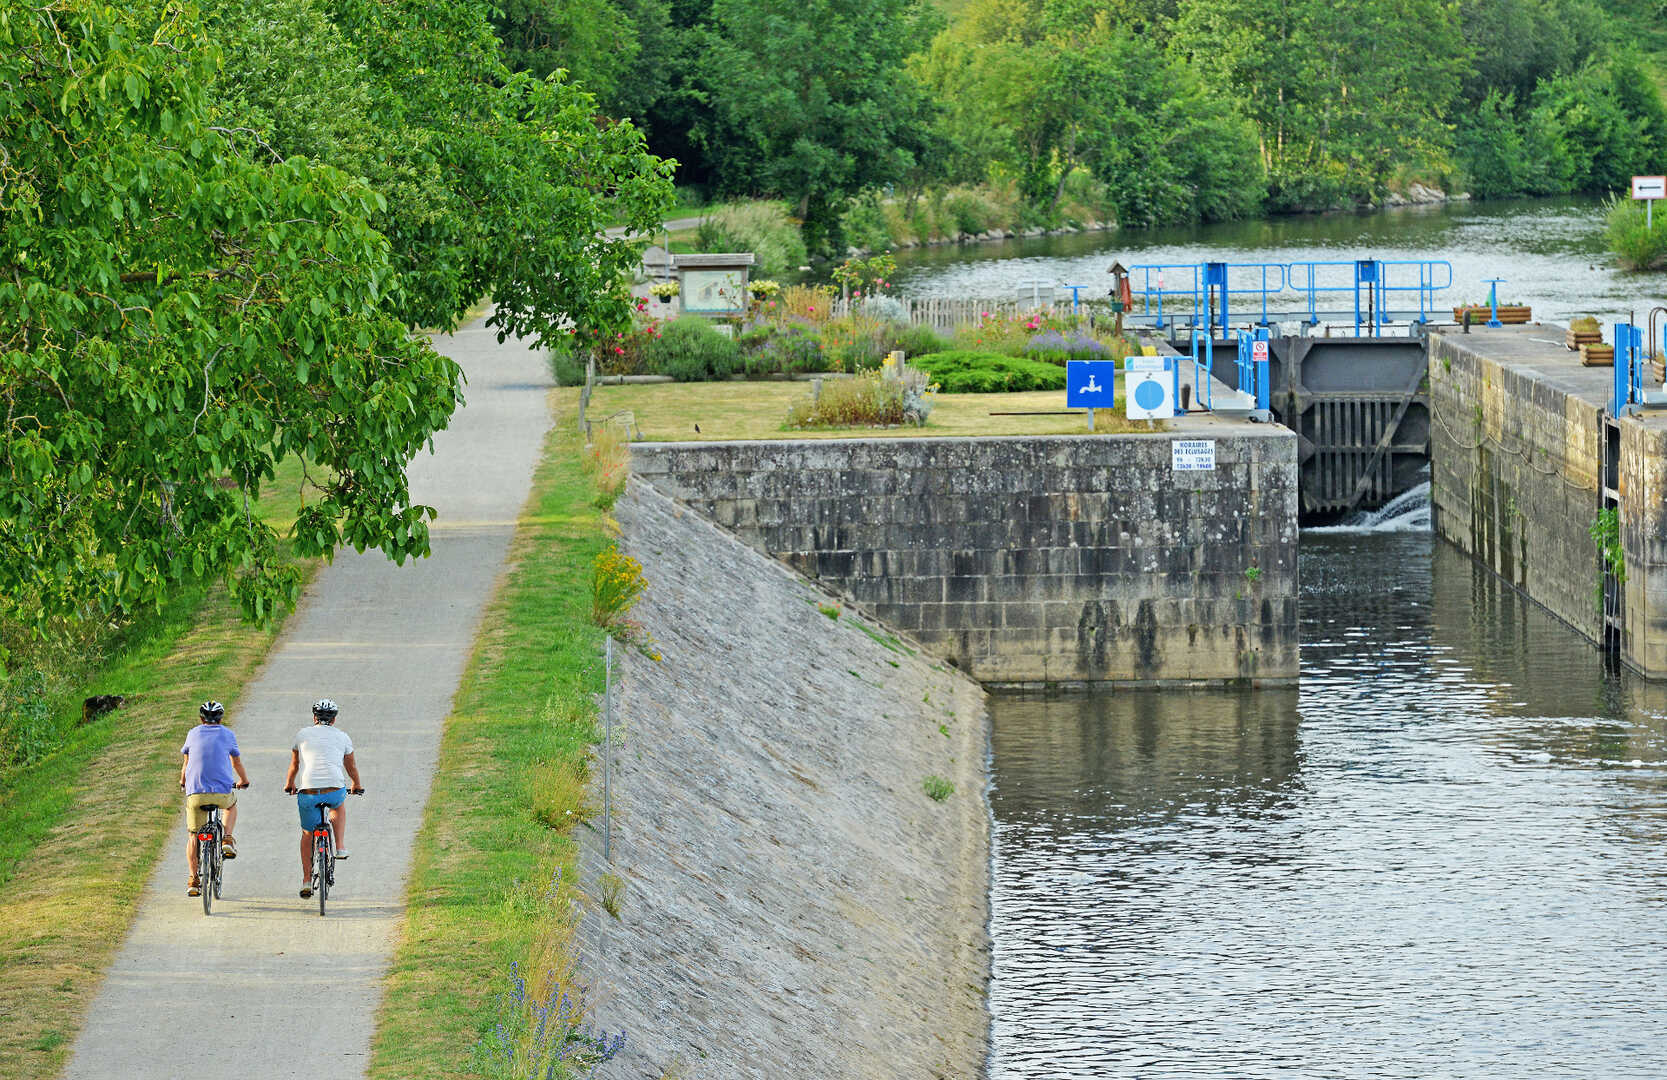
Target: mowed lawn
(673, 412)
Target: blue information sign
(1090, 384)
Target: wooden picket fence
(944, 313)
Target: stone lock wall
(1037, 560)
(1514, 465)
(1516, 448)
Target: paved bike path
(265, 988)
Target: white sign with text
(1193, 455)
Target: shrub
(813, 303)
(937, 788)
(690, 350)
(915, 340)
(865, 401)
(616, 582)
(1635, 245)
(567, 364)
(884, 308)
(1055, 347)
(964, 372)
(763, 228)
(787, 350)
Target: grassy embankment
(81, 829)
(755, 410)
(509, 790)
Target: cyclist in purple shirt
(206, 772)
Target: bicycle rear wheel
(205, 873)
(219, 865)
(321, 871)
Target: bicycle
(210, 856)
(324, 853)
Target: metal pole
(607, 751)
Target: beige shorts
(196, 806)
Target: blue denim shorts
(309, 805)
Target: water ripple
(1441, 857)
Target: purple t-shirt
(209, 750)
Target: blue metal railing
(1186, 281)
(1433, 275)
(1371, 291)
(1202, 368)
(1629, 367)
(1253, 366)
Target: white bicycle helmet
(324, 711)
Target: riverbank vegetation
(1638, 242)
(887, 122)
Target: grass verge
(757, 410)
(508, 791)
(81, 829)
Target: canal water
(1551, 253)
(1443, 855)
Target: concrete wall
(1514, 462)
(1643, 488)
(793, 903)
(1056, 559)
(1516, 451)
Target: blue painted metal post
(1260, 357)
(1493, 300)
(1215, 273)
(1629, 367)
(1073, 289)
(1365, 273)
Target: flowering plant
(665, 290)
(764, 290)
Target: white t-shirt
(322, 748)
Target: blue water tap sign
(1090, 384)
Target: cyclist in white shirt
(320, 765)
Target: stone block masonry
(1037, 560)
(791, 901)
(1516, 461)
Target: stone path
(265, 988)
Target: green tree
(1055, 85)
(810, 100)
(174, 319)
(616, 50)
(1341, 95)
(494, 183)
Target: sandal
(193, 886)
(228, 848)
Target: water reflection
(1442, 856)
(1551, 253)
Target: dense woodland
(1185, 110)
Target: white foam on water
(1406, 512)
